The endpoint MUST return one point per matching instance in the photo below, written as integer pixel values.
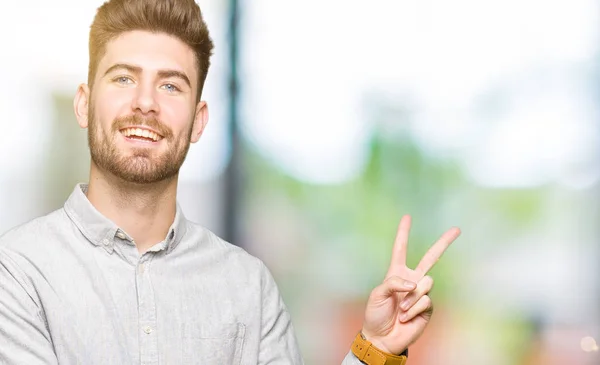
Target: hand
(399, 309)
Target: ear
(80, 105)
(200, 121)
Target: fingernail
(404, 305)
(409, 284)
(403, 317)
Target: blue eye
(171, 87)
(123, 80)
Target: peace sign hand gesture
(399, 309)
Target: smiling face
(142, 113)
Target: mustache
(138, 120)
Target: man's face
(142, 108)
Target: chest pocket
(213, 346)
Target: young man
(118, 275)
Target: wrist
(376, 342)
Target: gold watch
(371, 355)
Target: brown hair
(179, 18)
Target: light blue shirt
(75, 290)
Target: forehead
(151, 52)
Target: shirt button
(106, 242)
(121, 235)
(148, 330)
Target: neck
(144, 211)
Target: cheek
(109, 107)
(177, 115)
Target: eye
(171, 88)
(123, 80)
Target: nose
(145, 100)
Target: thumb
(391, 285)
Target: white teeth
(141, 133)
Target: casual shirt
(74, 289)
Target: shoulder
(23, 248)
(202, 242)
(30, 236)
(230, 264)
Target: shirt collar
(103, 232)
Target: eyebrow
(163, 74)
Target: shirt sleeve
(278, 343)
(24, 337)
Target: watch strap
(371, 355)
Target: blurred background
(330, 120)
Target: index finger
(437, 250)
(400, 245)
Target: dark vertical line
(233, 174)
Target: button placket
(147, 313)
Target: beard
(141, 167)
